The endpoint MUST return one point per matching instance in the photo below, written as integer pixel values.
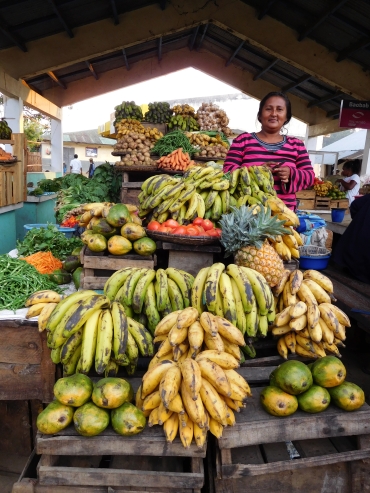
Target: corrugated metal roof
(84, 137)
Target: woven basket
(313, 251)
(182, 239)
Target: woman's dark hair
(280, 95)
(354, 165)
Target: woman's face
(273, 114)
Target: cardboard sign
(354, 114)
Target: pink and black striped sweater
(246, 150)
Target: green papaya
(71, 263)
(118, 215)
(76, 277)
(60, 276)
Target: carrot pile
(44, 262)
(176, 160)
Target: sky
(187, 83)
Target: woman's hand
(283, 173)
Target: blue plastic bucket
(316, 263)
(68, 232)
(337, 215)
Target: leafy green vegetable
(45, 240)
(18, 280)
(172, 141)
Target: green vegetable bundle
(18, 280)
(47, 239)
(172, 141)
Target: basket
(182, 239)
(313, 251)
(313, 257)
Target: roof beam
(202, 37)
(193, 37)
(61, 20)
(358, 45)
(6, 29)
(326, 13)
(296, 83)
(264, 10)
(324, 99)
(55, 79)
(234, 54)
(91, 68)
(266, 69)
(160, 49)
(333, 113)
(125, 59)
(114, 11)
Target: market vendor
(351, 181)
(293, 170)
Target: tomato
(212, 232)
(153, 225)
(207, 224)
(164, 229)
(181, 230)
(192, 230)
(219, 232)
(171, 223)
(198, 221)
(200, 230)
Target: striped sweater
(246, 150)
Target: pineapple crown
(247, 226)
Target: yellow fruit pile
(322, 189)
(287, 246)
(126, 126)
(191, 384)
(307, 323)
(199, 139)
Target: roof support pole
(13, 109)
(193, 37)
(160, 49)
(365, 168)
(326, 13)
(234, 54)
(56, 141)
(125, 59)
(266, 69)
(203, 36)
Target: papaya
(315, 400)
(347, 396)
(135, 218)
(118, 245)
(102, 227)
(277, 402)
(60, 276)
(111, 392)
(293, 377)
(54, 418)
(132, 231)
(93, 222)
(272, 378)
(71, 263)
(145, 246)
(76, 277)
(106, 209)
(85, 235)
(74, 390)
(118, 215)
(90, 420)
(310, 365)
(328, 372)
(77, 251)
(96, 243)
(128, 420)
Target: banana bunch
(183, 109)
(86, 329)
(41, 304)
(287, 246)
(239, 294)
(191, 385)
(148, 295)
(183, 122)
(307, 323)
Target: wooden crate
(333, 447)
(26, 370)
(98, 267)
(306, 194)
(13, 178)
(322, 203)
(190, 257)
(306, 204)
(339, 204)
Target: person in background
(351, 183)
(75, 165)
(64, 168)
(91, 171)
(352, 250)
(287, 156)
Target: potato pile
(212, 151)
(135, 148)
(211, 117)
(125, 127)
(199, 139)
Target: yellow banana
(295, 281)
(166, 324)
(177, 336)
(236, 379)
(89, 337)
(186, 433)
(45, 315)
(215, 375)
(304, 343)
(278, 289)
(339, 343)
(298, 309)
(200, 435)
(215, 343)
(195, 335)
(159, 339)
(153, 417)
(183, 419)
(295, 253)
(153, 377)
(331, 348)
(232, 404)
(215, 428)
(228, 331)
(299, 323)
(319, 293)
(213, 402)
(36, 309)
(290, 241)
(280, 331)
(163, 414)
(45, 296)
(341, 316)
(306, 295)
(209, 324)
(320, 279)
(176, 405)
(327, 334)
(150, 402)
(315, 333)
(230, 418)
(341, 333)
(289, 298)
(187, 317)
(223, 359)
(198, 288)
(319, 349)
(231, 348)
(191, 375)
(180, 350)
(171, 427)
(305, 353)
(298, 238)
(282, 348)
(329, 317)
(290, 341)
(194, 408)
(313, 316)
(170, 385)
(283, 318)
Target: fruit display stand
(192, 258)
(12, 176)
(322, 203)
(306, 199)
(333, 448)
(70, 463)
(340, 204)
(98, 267)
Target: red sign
(354, 114)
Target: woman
(351, 183)
(91, 171)
(293, 170)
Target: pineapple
(245, 234)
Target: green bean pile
(18, 280)
(172, 141)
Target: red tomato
(198, 221)
(219, 232)
(192, 230)
(153, 225)
(181, 230)
(212, 232)
(171, 223)
(207, 224)
(164, 229)
(200, 230)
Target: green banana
(132, 351)
(104, 342)
(211, 285)
(120, 331)
(151, 309)
(225, 200)
(130, 285)
(179, 279)
(137, 331)
(217, 208)
(262, 326)
(249, 350)
(211, 197)
(147, 182)
(55, 355)
(177, 302)
(261, 290)
(244, 176)
(221, 185)
(149, 341)
(83, 313)
(161, 289)
(116, 280)
(191, 207)
(69, 368)
(228, 299)
(251, 320)
(112, 368)
(201, 208)
(234, 178)
(69, 347)
(244, 286)
(90, 333)
(140, 290)
(241, 322)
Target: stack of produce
(202, 139)
(183, 122)
(46, 185)
(150, 295)
(334, 193)
(218, 151)
(5, 130)
(191, 385)
(158, 113)
(171, 142)
(6, 156)
(176, 160)
(86, 329)
(211, 117)
(322, 187)
(199, 227)
(116, 228)
(127, 110)
(91, 407)
(125, 127)
(310, 388)
(135, 150)
(41, 304)
(307, 323)
(184, 110)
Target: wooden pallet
(98, 267)
(322, 203)
(253, 456)
(190, 257)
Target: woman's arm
(234, 157)
(300, 176)
(347, 185)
